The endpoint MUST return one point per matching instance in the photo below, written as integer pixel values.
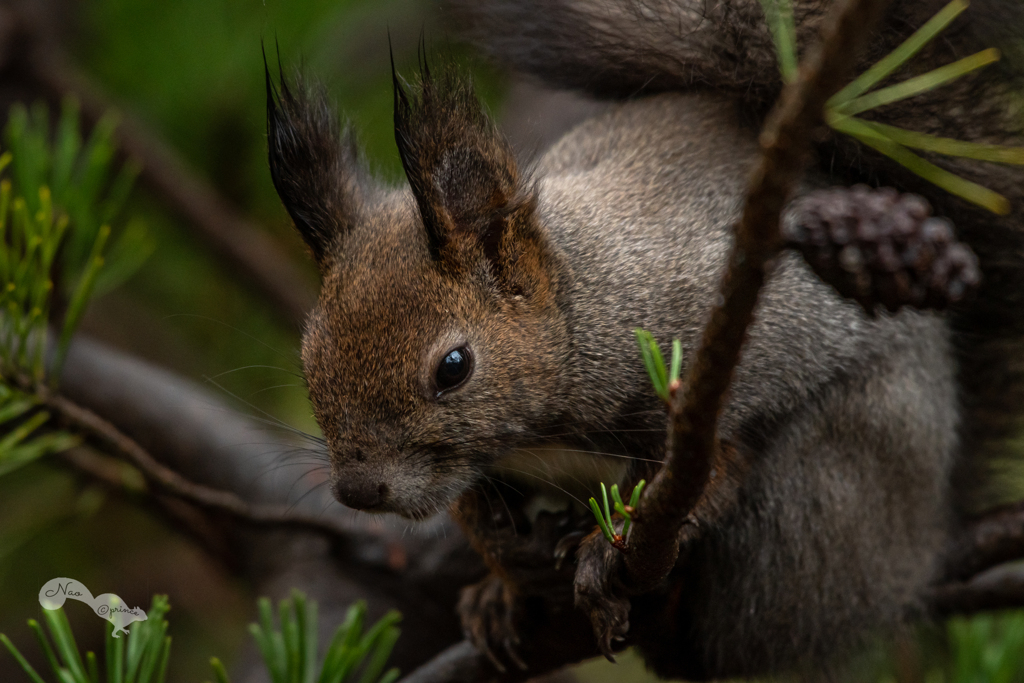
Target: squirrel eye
(454, 369)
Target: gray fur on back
(850, 422)
(625, 48)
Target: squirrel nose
(359, 494)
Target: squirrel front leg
(488, 609)
(520, 554)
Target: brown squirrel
(475, 327)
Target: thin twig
(786, 143)
(166, 480)
(119, 477)
(111, 472)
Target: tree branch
(1002, 589)
(170, 482)
(552, 641)
(987, 541)
(692, 441)
(111, 472)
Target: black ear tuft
(461, 169)
(313, 164)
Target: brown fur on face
(408, 275)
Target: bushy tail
(620, 48)
(623, 48)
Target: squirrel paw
(599, 593)
(882, 248)
(488, 611)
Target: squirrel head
(437, 343)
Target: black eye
(454, 368)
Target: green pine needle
(662, 378)
(55, 211)
(952, 183)
(219, 672)
(115, 656)
(601, 522)
(289, 653)
(615, 495)
(950, 147)
(93, 667)
(659, 365)
(22, 431)
(677, 361)
(64, 641)
(343, 642)
(892, 141)
(900, 55)
(644, 341)
(14, 405)
(44, 644)
(607, 510)
(165, 658)
(779, 14)
(22, 662)
(634, 499)
(604, 518)
(919, 84)
(378, 658)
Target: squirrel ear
(314, 165)
(462, 172)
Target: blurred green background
(192, 71)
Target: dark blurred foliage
(192, 71)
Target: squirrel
(474, 327)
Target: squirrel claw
(600, 596)
(488, 612)
(513, 655)
(610, 633)
(610, 619)
(493, 657)
(566, 545)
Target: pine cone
(882, 248)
